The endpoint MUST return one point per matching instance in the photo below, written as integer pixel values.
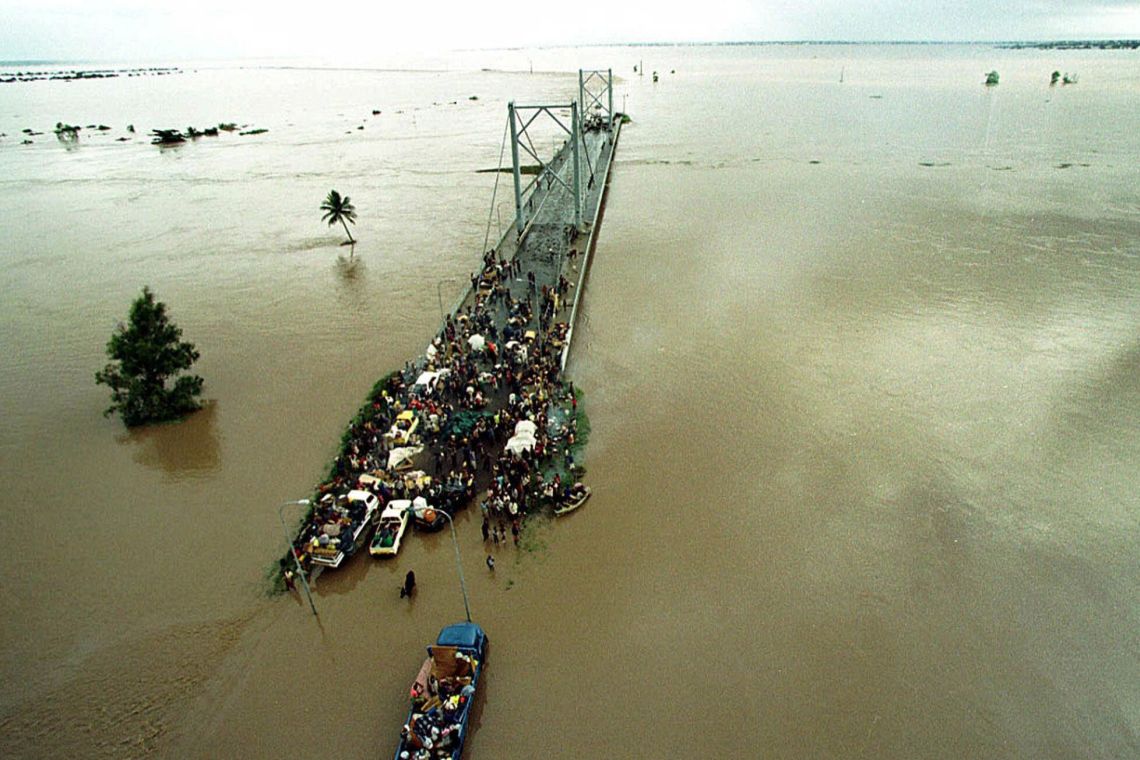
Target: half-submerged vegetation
(1074, 45)
(78, 74)
(167, 137)
(339, 208)
(145, 354)
(67, 132)
(174, 136)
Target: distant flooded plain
(861, 360)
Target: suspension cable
(495, 192)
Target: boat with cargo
(339, 526)
(443, 693)
(579, 492)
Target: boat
(393, 523)
(341, 524)
(579, 492)
(443, 693)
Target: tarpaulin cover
(399, 456)
(520, 443)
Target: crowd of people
(440, 428)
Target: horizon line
(1135, 42)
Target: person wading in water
(409, 585)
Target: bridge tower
(522, 120)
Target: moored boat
(341, 524)
(442, 695)
(579, 492)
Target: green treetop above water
(339, 209)
(145, 354)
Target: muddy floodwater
(861, 360)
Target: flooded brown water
(862, 364)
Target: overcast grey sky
(149, 29)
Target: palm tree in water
(339, 209)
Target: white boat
(390, 531)
(345, 527)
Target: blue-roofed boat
(442, 695)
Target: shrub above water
(145, 353)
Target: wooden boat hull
(570, 506)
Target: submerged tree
(991, 79)
(145, 354)
(67, 132)
(338, 209)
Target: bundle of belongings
(441, 696)
(334, 521)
